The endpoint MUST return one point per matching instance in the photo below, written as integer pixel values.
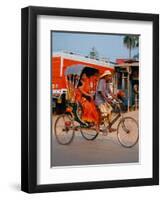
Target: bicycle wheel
(64, 129)
(89, 133)
(128, 132)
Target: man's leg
(109, 116)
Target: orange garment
(90, 112)
(93, 81)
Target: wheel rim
(89, 133)
(128, 134)
(64, 129)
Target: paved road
(103, 150)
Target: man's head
(107, 75)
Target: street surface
(102, 150)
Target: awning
(79, 69)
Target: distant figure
(136, 88)
(122, 96)
(136, 95)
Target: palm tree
(131, 42)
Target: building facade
(126, 78)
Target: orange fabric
(94, 80)
(90, 112)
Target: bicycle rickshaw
(71, 121)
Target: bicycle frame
(117, 116)
(75, 115)
(115, 119)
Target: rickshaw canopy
(79, 69)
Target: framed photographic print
(90, 99)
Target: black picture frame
(29, 98)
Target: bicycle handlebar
(116, 101)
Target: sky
(107, 45)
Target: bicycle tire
(133, 141)
(87, 135)
(58, 135)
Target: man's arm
(104, 96)
(102, 90)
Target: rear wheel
(89, 133)
(128, 132)
(64, 129)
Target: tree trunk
(130, 53)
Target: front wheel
(64, 129)
(128, 132)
